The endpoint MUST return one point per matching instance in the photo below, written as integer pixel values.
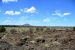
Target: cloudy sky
(37, 12)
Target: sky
(37, 12)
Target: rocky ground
(37, 39)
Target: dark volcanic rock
(4, 45)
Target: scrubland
(37, 38)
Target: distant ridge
(27, 25)
(15, 25)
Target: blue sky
(37, 12)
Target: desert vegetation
(2, 29)
(37, 38)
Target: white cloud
(12, 12)
(66, 14)
(46, 20)
(29, 10)
(58, 13)
(6, 1)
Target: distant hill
(15, 25)
(27, 25)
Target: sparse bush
(39, 29)
(31, 30)
(47, 30)
(13, 31)
(2, 29)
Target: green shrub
(73, 28)
(2, 29)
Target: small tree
(2, 29)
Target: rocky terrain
(37, 38)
